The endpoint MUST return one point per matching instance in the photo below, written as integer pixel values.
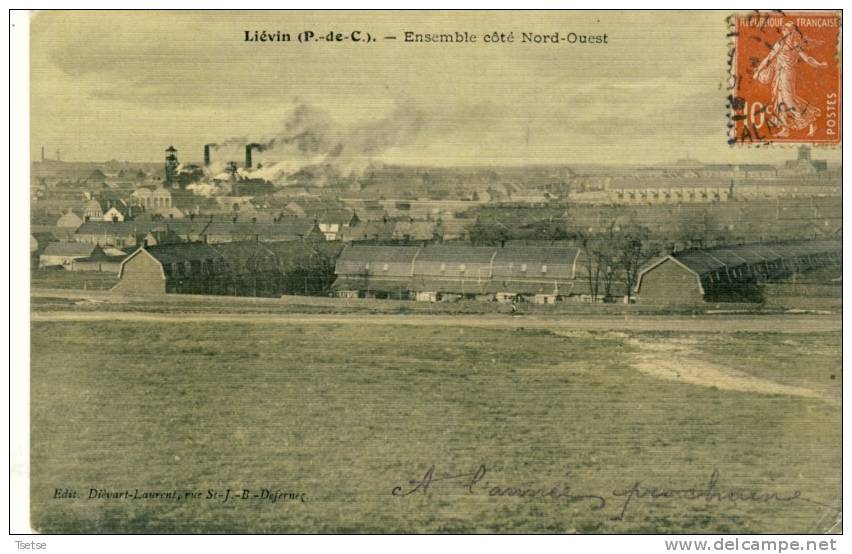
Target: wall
(669, 283)
(98, 266)
(49, 261)
(142, 275)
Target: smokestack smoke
(310, 137)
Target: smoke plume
(310, 137)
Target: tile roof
(113, 228)
(82, 249)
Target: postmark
(785, 78)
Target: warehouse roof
(704, 261)
(183, 252)
(457, 254)
(370, 259)
(552, 261)
(369, 253)
(246, 256)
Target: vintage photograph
(435, 272)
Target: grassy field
(62, 279)
(344, 413)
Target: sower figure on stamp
(790, 111)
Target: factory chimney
(206, 155)
(42, 153)
(249, 147)
(248, 155)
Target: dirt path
(679, 360)
(717, 324)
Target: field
(344, 408)
(84, 280)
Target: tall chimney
(206, 154)
(42, 153)
(248, 155)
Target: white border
(19, 313)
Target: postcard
(465, 272)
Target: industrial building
(539, 274)
(246, 268)
(729, 273)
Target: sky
(121, 85)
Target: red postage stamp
(785, 78)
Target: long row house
(134, 233)
(550, 274)
(245, 268)
(539, 274)
(730, 273)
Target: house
(119, 211)
(92, 210)
(105, 263)
(161, 235)
(120, 234)
(370, 210)
(288, 229)
(109, 198)
(58, 233)
(306, 207)
(63, 254)
(369, 231)
(729, 273)
(416, 230)
(332, 217)
(169, 212)
(132, 233)
(150, 199)
(332, 223)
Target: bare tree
(635, 250)
(615, 254)
(601, 250)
